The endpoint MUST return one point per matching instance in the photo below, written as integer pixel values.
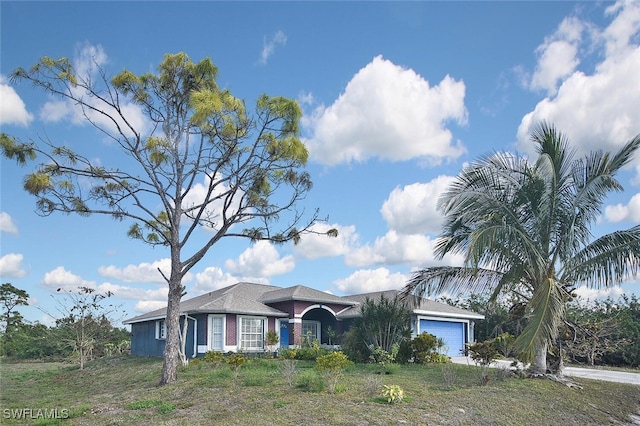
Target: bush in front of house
(426, 348)
(331, 366)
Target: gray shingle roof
(425, 306)
(240, 298)
(252, 299)
(300, 292)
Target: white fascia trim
(145, 320)
(440, 315)
(316, 306)
(343, 310)
(442, 319)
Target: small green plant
(161, 406)
(393, 393)
(287, 353)
(271, 341)
(381, 357)
(236, 361)
(165, 408)
(215, 359)
(196, 363)
(487, 352)
(142, 405)
(331, 366)
(310, 382)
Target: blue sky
(397, 97)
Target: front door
(284, 333)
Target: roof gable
(304, 293)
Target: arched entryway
(319, 323)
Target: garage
(451, 332)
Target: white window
(216, 333)
(311, 330)
(161, 329)
(251, 333)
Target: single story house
(238, 317)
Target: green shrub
(354, 346)
(424, 348)
(287, 353)
(311, 351)
(485, 353)
(405, 351)
(216, 359)
(331, 366)
(236, 361)
(381, 357)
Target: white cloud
(598, 110)
(394, 248)
(557, 56)
(213, 278)
(590, 294)
(145, 306)
(12, 108)
(624, 27)
(621, 212)
(88, 59)
(269, 45)
(370, 280)
(6, 224)
(63, 279)
(412, 209)
(260, 260)
(11, 266)
(314, 246)
(389, 112)
(134, 293)
(60, 278)
(141, 273)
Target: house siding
(144, 342)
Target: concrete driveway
(586, 373)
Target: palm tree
(526, 228)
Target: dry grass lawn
(124, 391)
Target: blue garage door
(451, 332)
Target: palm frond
(450, 279)
(546, 308)
(606, 261)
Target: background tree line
(82, 331)
(602, 332)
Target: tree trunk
(540, 360)
(172, 341)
